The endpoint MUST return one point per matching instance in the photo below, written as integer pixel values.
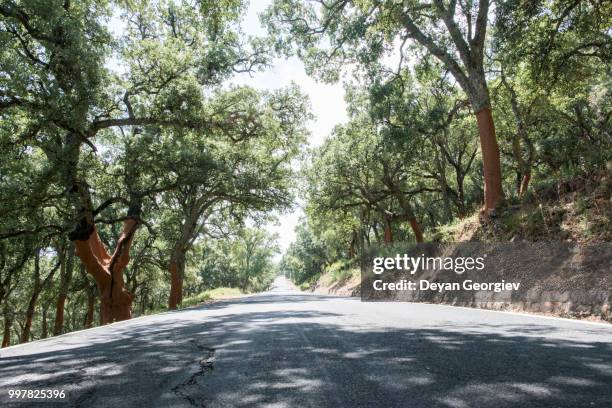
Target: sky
(327, 102)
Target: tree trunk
(388, 237)
(245, 282)
(524, 183)
(177, 269)
(143, 301)
(107, 271)
(524, 166)
(58, 326)
(179, 250)
(25, 334)
(65, 278)
(45, 327)
(416, 228)
(376, 233)
(493, 191)
(8, 325)
(407, 212)
(352, 251)
(520, 117)
(91, 303)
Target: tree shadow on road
(306, 358)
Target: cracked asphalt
(288, 349)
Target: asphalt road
(289, 349)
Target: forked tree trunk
(107, 271)
(471, 77)
(493, 191)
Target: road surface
(288, 349)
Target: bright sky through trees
(328, 105)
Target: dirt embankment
(555, 278)
(327, 284)
(558, 279)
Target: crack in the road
(84, 397)
(205, 366)
(84, 377)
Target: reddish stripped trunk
(107, 271)
(59, 314)
(493, 192)
(176, 268)
(416, 228)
